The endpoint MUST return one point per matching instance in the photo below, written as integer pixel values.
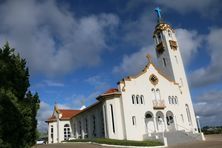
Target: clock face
(153, 79)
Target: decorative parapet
(159, 104)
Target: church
(153, 104)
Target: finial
(149, 58)
(158, 10)
(56, 109)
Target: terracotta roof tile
(112, 90)
(66, 114)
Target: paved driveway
(68, 145)
(212, 141)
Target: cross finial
(158, 10)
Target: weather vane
(158, 10)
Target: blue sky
(76, 50)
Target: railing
(159, 104)
(196, 135)
(184, 128)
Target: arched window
(74, 130)
(153, 93)
(137, 99)
(173, 100)
(148, 116)
(159, 37)
(80, 130)
(52, 133)
(158, 97)
(141, 99)
(94, 125)
(176, 100)
(133, 99)
(155, 40)
(86, 125)
(169, 33)
(169, 99)
(164, 62)
(188, 114)
(67, 133)
(176, 59)
(113, 122)
(134, 120)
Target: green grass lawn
(119, 142)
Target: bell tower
(168, 52)
(170, 63)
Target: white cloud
(209, 108)
(51, 38)
(99, 82)
(189, 42)
(43, 114)
(53, 83)
(212, 73)
(50, 83)
(134, 63)
(205, 7)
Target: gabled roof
(66, 114)
(87, 108)
(112, 91)
(150, 62)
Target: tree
(18, 106)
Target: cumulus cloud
(212, 73)
(209, 108)
(205, 7)
(73, 102)
(189, 42)
(43, 114)
(51, 38)
(133, 63)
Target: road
(212, 141)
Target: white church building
(154, 103)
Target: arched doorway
(170, 120)
(149, 121)
(160, 121)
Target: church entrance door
(170, 121)
(160, 121)
(150, 128)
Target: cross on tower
(158, 10)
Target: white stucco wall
(142, 86)
(81, 118)
(55, 138)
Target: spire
(158, 12)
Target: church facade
(156, 100)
